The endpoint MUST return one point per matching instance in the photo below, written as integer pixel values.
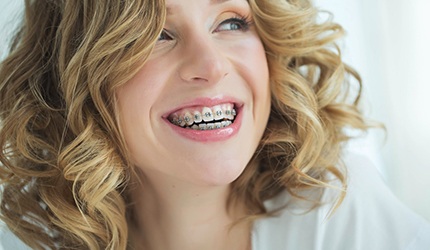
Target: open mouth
(204, 118)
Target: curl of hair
(62, 160)
(311, 105)
(63, 163)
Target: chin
(223, 172)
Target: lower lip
(214, 135)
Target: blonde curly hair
(64, 167)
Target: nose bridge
(203, 60)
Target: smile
(204, 118)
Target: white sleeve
(372, 217)
(369, 218)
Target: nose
(203, 61)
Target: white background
(388, 42)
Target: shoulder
(370, 217)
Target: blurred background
(388, 43)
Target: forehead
(171, 5)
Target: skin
(180, 202)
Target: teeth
(207, 114)
(188, 118)
(202, 126)
(181, 122)
(210, 126)
(218, 116)
(173, 119)
(197, 116)
(217, 111)
(229, 114)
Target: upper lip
(205, 102)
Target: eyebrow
(211, 2)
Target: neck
(170, 214)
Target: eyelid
(244, 20)
(167, 33)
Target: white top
(370, 218)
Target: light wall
(388, 42)
(9, 10)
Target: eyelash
(243, 21)
(165, 33)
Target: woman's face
(197, 109)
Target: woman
(186, 125)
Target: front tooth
(218, 125)
(210, 126)
(197, 117)
(195, 127)
(207, 114)
(217, 111)
(188, 119)
(223, 124)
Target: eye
(235, 23)
(164, 36)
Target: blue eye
(164, 36)
(236, 23)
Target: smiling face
(198, 107)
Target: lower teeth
(210, 126)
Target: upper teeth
(190, 116)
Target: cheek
(258, 78)
(142, 87)
(140, 94)
(252, 57)
(135, 103)
(253, 66)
